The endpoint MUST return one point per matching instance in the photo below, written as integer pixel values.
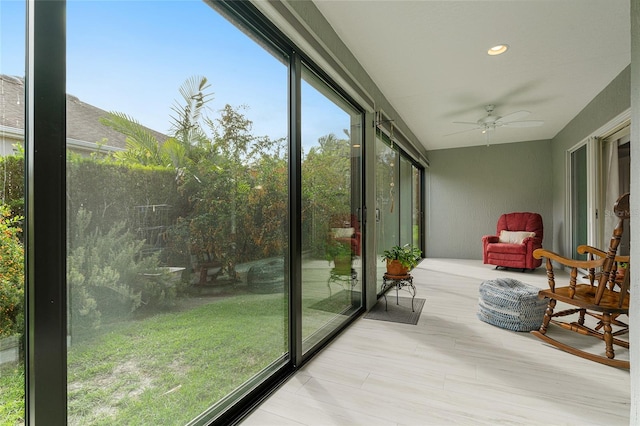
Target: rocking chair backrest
(621, 210)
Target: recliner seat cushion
(506, 248)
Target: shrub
(114, 192)
(105, 274)
(11, 274)
(12, 178)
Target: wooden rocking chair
(599, 298)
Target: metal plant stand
(342, 277)
(400, 282)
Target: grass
(169, 367)
(11, 395)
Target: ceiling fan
(491, 122)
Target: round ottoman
(511, 304)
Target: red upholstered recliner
(345, 228)
(518, 234)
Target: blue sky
(132, 57)
(12, 42)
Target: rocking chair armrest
(572, 263)
(583, 249)
(623, 259)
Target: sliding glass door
(598, 175)
(398, 200)
(177, 193)
(332, 232)
(579, 210)
(417, 217)
(387, 197)
(12, 211)
(202, 232)
(406, 201)
(616, 155)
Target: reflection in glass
(387, 211)
(177, 201)
(398, 188)
(416, 216)
(406, 201)
(12, 176)
(578, 200)
(331, 231)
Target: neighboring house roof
(84, 129)
(11, 102)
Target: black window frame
(45, 206)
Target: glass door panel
(177, 200)
(624, 167)
(12, 274)
(387, 200)
(579, 209)
(398, 201)
(416, 215)
(406, 201)
(616, 169)
(331, 200)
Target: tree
(326, 183)
(236, 183)
(11, 274)
(187, 133)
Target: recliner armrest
(490, 239)
(533, 241)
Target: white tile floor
(450, 368)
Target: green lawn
(11, 396)
(168, 368)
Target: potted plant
(341, 255)
(622, 269)
(400, 260)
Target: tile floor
(450, 368)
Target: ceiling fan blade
(528, 123)
(514, 116)
(492, 122)
(464, 131)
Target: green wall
(469, 188)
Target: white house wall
(634, 337)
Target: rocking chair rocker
(598, 299)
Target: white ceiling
(430, 60)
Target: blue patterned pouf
(511, 304)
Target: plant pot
(342, 264)
(394, 267)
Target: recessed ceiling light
(498, 50)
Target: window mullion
(45, 136)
